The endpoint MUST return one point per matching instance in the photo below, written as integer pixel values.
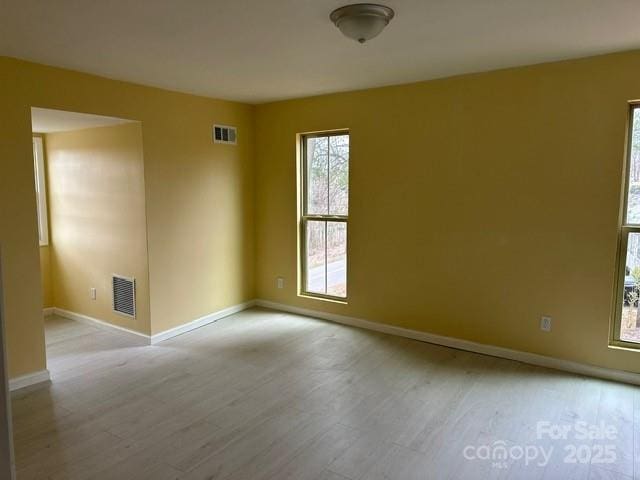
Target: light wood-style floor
(267, 395)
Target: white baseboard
(29, 380)
(158, 337)
(525, 357)
(78, 317)
(47, 312)
(200, 322)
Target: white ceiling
(261, 50)
(44, 120)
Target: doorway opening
(89, 185)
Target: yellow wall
(97, 220)
(477, 203)
(45, 276)
(22, 290)
(199, 198)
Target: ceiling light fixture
(362, 21)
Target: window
(324, 206)
(626, 325)
(41, 193)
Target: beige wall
(477, 203)
(45, 276)
(97, 220)
(199, 198)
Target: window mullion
(327, 218)
(328, 178)
(326, 257)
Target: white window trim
(304, 217)
(41, 191)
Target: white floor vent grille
(124, 295)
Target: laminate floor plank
(264, 395)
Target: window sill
(629, 347)
(339, 301)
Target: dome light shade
(361, 21)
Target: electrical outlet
(280, 282)
(545, 323)
(93, 293)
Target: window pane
(37, 173)
(337, 259)
(339, 175)
(633, 203)
(630, 323)
(316, 256)
(317, 176)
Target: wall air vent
(225, 134)
(124, 295)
